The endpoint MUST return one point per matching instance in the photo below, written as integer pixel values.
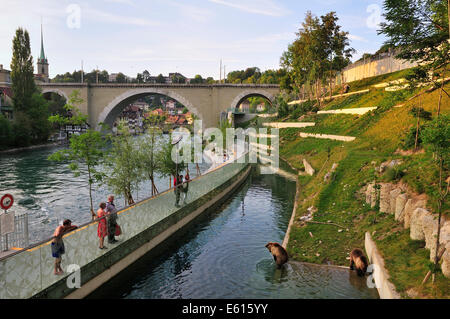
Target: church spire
(42, 62)
(42, 57)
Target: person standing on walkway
(112, 219)
(177, 184)
(57, 244)
(102, 229)
(185, 186)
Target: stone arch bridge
(104, 102)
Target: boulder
(445, 267)
(400, 207)
(371, 195)
(411, 205)
(308, 168)
(444, 238)
(429, 227)
(393, 198)
(416, 229)
(385, 198)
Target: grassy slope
(379, 134)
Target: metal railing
(20, 236)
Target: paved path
(328, 136)
(289, 124)
(359, 111)
(332, 97)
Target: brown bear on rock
(279, 253)
(358, 261)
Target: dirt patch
(409, 152)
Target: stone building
(5, 92)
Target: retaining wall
(385, 288)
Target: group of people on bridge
(107, 222)
(181, 186)
(107, 226)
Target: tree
(197, 79)
(146, 76)
(168, 167)
(419, 113)
(436, 136)
(160, 79)
(420, 30)
(22, 71)
(139, 78)
(38, 113)
(123, 170)
(5, 132)
(148, 150)
(72, 115)
(121, 78)
(178, 78)
(320, 50)
(87, 149)
(282, 106)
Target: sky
(186, 36)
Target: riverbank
(29, 148)
(331, 216)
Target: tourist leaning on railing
(57, 245)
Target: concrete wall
(361, 70)
(145, 225)
(385, 288)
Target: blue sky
(186, 36)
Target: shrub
(5, 132)
(393, 174)
(409, 141)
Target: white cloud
(193, 12)
(128, 2)
(96, 15)
(357, 38)
(263, 7)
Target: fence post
(25, 231)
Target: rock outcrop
(308, 168)
(371, 195)
(445, 267)
(410, 209)
(416, 228)
(385, 197)
(393, 198)
(400, 203)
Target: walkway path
(332, 97)
(289, 124)
(328, 136)
(359, 111)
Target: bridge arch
(249, 93)
(113, 109)
(56, 91)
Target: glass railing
(29, 271)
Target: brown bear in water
(279, 253)
(358, 261)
